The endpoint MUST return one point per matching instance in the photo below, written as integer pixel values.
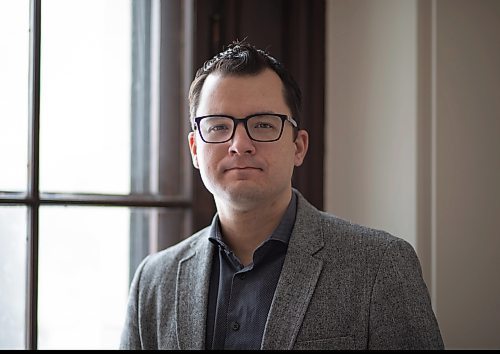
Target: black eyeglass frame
(244, 120)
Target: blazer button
(235, 326)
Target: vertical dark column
(304, 55)
(208, 39)
(174, 150)
(424, 137)
(140, 166)
(33, 177)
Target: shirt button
(235, 326)
(242, 276)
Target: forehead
(242, 94)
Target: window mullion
(33, 177)
(140, 120)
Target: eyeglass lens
(261, 127)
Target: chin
(242, 191)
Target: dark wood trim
(304, 54)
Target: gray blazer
(342, 286)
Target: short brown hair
(242, 58)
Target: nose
(241, 143)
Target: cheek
(208, 158)
(283, 163)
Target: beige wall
(371, 104)
(413, 144)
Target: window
(95, 165)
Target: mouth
(242, 165)
(243, 168)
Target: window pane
(14, 69)
(85, 96)
(87, 257)
(83, 276)
(12, 276)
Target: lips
(241, 165)
(242, 168)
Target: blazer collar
(298, 279)
(193, 279)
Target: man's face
(241, 170)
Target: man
(271, 271)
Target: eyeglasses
(264, 127)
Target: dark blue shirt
(240, 297)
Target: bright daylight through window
(84, 192)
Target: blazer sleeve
(130, 336)
(401, 315)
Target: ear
(193, 148)
(301, 145)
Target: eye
(217, 128)
(216, 125)
(263, 125)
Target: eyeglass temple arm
(292, 121)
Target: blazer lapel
(297, 282)
(192, 295)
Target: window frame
(33, 199)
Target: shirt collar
(281, 233)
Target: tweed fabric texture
(342, 286)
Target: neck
(244, 229)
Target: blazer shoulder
(345, 236)
(164, 263)
(356, 232)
